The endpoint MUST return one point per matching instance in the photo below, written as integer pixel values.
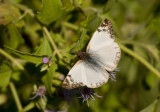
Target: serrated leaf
(5, 74)
(29, 57)
(48, 77)
(51, 11)
(12, 37)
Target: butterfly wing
(103, 45)
(83, 75)
(75, 77)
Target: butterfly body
(101, 57)
(89, 59)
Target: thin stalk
(25, 9)
(69, 25)
(139, 58)
(12, 59)
(15, 96)
(51, 41)
(22, 16)
(28, 107)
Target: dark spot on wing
(110, 27)
(69, 83)
(106, 26)
(98, 30)
(103, 24)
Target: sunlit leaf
(29, 57)
(44, 48)
(51, 11)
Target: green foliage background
(32, 29)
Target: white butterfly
(101, 58)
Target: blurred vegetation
(32, 29)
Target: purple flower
(87, 93)
(45, 60)
(113, 74)
(62, 77)
(41, 91)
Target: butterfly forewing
(102, 43)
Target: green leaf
(80, 45)
(51, 11)
(93, 21)
(12, 37)
(151, 107)
(146, 96)
(44, 48)
(5, 74)
(29, 57)
(48, 77)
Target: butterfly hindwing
(75, 76)
(96, 77)
(83, 75)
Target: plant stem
(25, 9)
(69, 25)
(51, 41)
(143, 61)
(15, 96)
(12, 59)
(28, 107)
